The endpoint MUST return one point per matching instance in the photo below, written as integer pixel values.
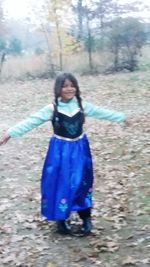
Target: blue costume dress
(67, 176)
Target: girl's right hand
(4, 139)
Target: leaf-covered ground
(121, 155)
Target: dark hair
(59, 82)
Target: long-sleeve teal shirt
(69, 108)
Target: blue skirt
(67, 178)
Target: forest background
(82, 36)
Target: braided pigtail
(55, 119)
(79, 99)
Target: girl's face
(68, 91)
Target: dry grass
(35, 65)
(17, 67)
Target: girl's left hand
(4, 140)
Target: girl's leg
(63, 227)
(85, 215)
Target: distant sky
(16, 8)
(19, 9)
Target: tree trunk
(52, 70)
(89, 45)
(80, 20)
(59, 44)
(102, 32)
(116, 57)
(2, 59)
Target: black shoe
(86, 226)
(63, 227)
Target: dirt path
(121, 157)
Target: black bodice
(68, 126)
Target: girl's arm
(94, 111)
(31, 122)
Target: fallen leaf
(145, 261)
(50, 264)
(129, 261)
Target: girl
(67, 177)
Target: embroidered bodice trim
(68, 126)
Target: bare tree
(2, 42)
